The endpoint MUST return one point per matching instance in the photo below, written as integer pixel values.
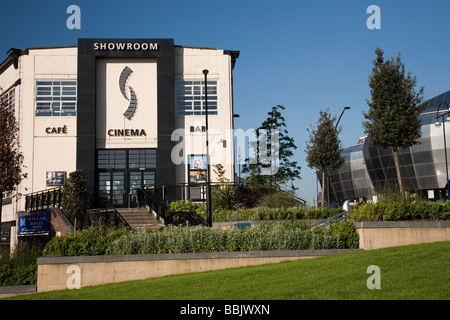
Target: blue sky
(306, 55)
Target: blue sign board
(34, 224)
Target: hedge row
(396, 211)
(264, 213)
(19, 268)
(203, 239)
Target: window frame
(60, 100)
(190, 97)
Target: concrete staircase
(140, 218)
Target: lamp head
(205, 72)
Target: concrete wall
(57, 273)
(383, 234)
(42, 151)
(189, 64)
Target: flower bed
(203, 239)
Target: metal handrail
(148, 196)
(160, 205)
(118, 215)
(327, 221)
(43, 199)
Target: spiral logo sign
(123, 85)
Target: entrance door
(112, 188)
(138, 179)
(120, 172)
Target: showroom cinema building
(369, 170)
(128, 112)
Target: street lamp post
(208, 173)
(445, 142)
(327, 173)
(238, 156)
(345, 108)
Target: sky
(307, 55)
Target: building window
(9, 99)
(190, 97)
(56, 98)
(142, 158)
(112, 159)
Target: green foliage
(323, 150)
(19, 268)
(182, 206)
(173, 239)
(394, 109)
(322, 213)
(176, 214)
(203, 239)
(397, 211)
(279, 199)
(259, 214)
(224, 197)
(414, 272)
(92, 241)
(324, 146)
(11, 159)
(347, 234)
(75, 196)
(284, 169)
(392, 120)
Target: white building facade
(128, 112)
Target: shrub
(223, 196)
(203, 239)
(319, 213)
(396, 211)
(278, 199)
(257, 214)
(248, 197)
(19, 268)
(173, 239)
(346, 233)
(75, 197)
(92, 241)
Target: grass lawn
(409, 272)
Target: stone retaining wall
(56, 273)
(383, 234)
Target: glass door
(111, 188)
(135, 182)
(118, 189)
(138, 179)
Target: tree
(11, 159)
(75, 197)
(324, 147)
(280, 146)
(223, 195)
(394, 109)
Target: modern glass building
(370, 170)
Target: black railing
(118, 218)
(158, 199)
(149, 196)
(52, 199)
(43, 199)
